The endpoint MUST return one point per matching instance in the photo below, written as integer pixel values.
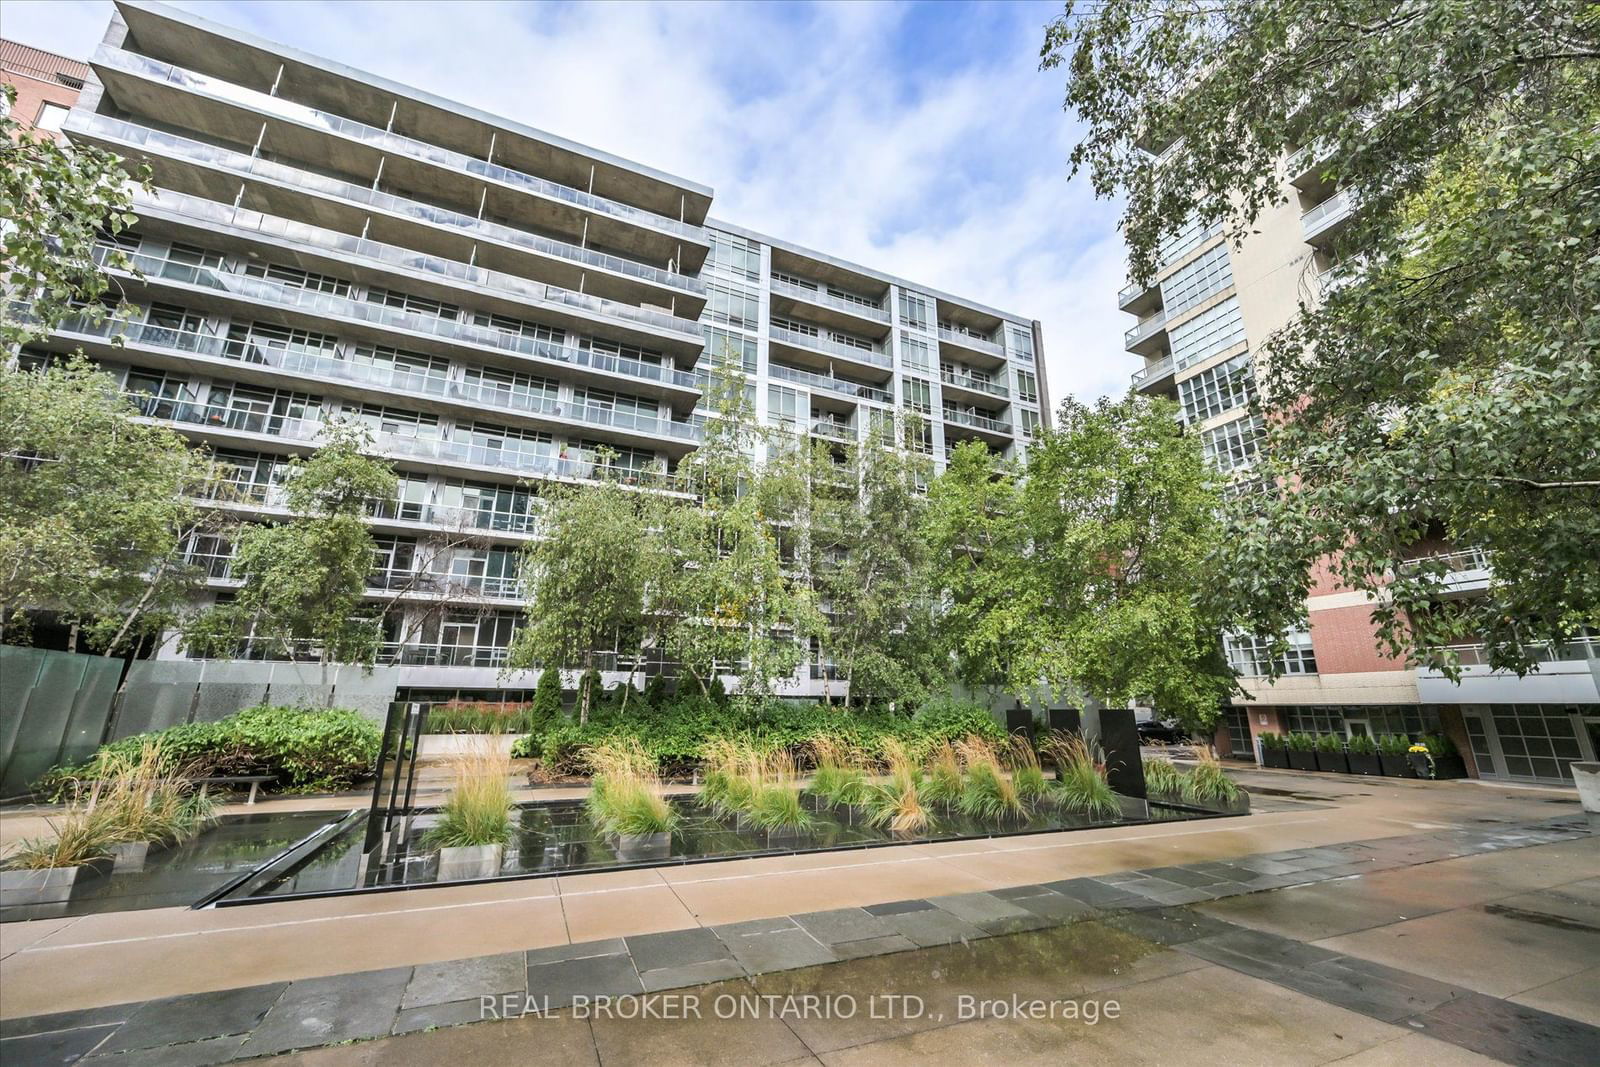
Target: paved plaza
(1373, 921)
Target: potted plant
(1302, 752)
(1163, 780)
(1362, 752)
(1330, 754)
(989, 796)
(627, 801)
(1447, 762)
(45, 871)
(1274, 753)
(1081, 785)
(475, 820)
(1207, 786)
(1392, 756)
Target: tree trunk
(586, 689)
(72, 636)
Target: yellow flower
(1417, 748)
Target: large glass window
(1233, 445)
(1212, 331)
(1217, 389)
(724, 344)
(1022, 344)
(735, 307)
(1191, 236)
(734, 255)
(916, 310)
(393, 422)
(419, 305)
(1027, 387)
(1200, 279)
(783, 406)
(512, 389)
(915, 353)
(1252, 656)
(1537, 740)
(256, 342)
(300, 279)
(919, 395)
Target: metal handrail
(818, 343)
(862, 307)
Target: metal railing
(817, 343)
(982, 422)
(970, 341)
(1457, 562)
(1145, 329)
(1326, 214)
(980, 385)
(1583, 648)
(346, 246)
(862, 307)
(455, 330)
(444, 218)
(1161, 368)
(836, 430)
(395, 143)
(825, 381)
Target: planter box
(787, 836)
(1302, 759)
(1587, 778)
(1396, 765)
(1274, 757)
(636, 848)
(1449, 767)
(469, 861)
(1134, 807)
(432, 746)
(1333, 761)
(47, 885)
(129, 856)
(1365, 763)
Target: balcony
(981, 386)
(810, 347)
(444, 228)
(1139, 299)
(1460, 572)
(405, 386)
(1149, 336)
(982, 423)
(962, 341)
(1323, 222)
(1566, 674)
(1155, 377)
(141, 79)
(612, 370)
(837, 431)
(831, 309)
(841, 386)
(338, 250)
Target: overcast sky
(920, 139)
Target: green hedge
(305, 749)
(674, 734)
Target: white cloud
(830, 126)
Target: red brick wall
(31, 72)
(1346, 643)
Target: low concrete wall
(443, 746)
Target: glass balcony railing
(1575, 651)
(480, 394)
(1148, 328)
(970, 341)
(1327, 214)
(830, 383)
(395, 143)
(817, 343)
(981, 422)
(1154, 372)
(362, 311)
(836, 430)
(979, 385)
(348, 246)
(862, 307)
(444, 218)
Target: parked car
(1160, 731)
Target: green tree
(586, 577)
(1446, 389)
(95, 509)
(53, 204)
(303, 581)
(547, 695)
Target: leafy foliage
(1444, 392)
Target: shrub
(1437, 746)
(989, 794)
(655, 692)
(716, 690)
(897, 803)
(1271, 740)
(1394, 744)
(478, 809)
(1207, 784)
(1163, 779)
(1081, 786)
(1329, 743)
(1301, 742)
(303, 749)
(944, 783)
(547, 696)
(627, 796)
(1361, 745)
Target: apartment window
(490, 507)
(1191, 236)
(194, 256)
(797, 282)
(1021, 344)
(1212, 331)
(722, 345)
(918, 394)
(419, 305)
(1251, 656)
(733, 306)
(1233, 445)
(252, 341)
(157, 394)
(411, 497)
(1027, 387)
(414, 370)
(623, 407)
(506, 388)
(1217, 389)
(783, 406)
(1200, 279)
(300, 279)
(1029, 420)
(174, 318)
(393, 559)
(252, 475)
(492, 438)
(621, 349)
(260, 410)
(393, 422)
(734, 255)
(916, 311)
(520, 327)
(51, 116)
(915, 353)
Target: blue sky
(919, 138)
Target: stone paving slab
(1145, 904)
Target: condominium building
(500, 306)
(1200, 321)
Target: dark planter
(1333, 761)
(1364, 763)
(1449, 767)
(1274, 757)
(1396, 765)
(1302, 759)
(1421, 766)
